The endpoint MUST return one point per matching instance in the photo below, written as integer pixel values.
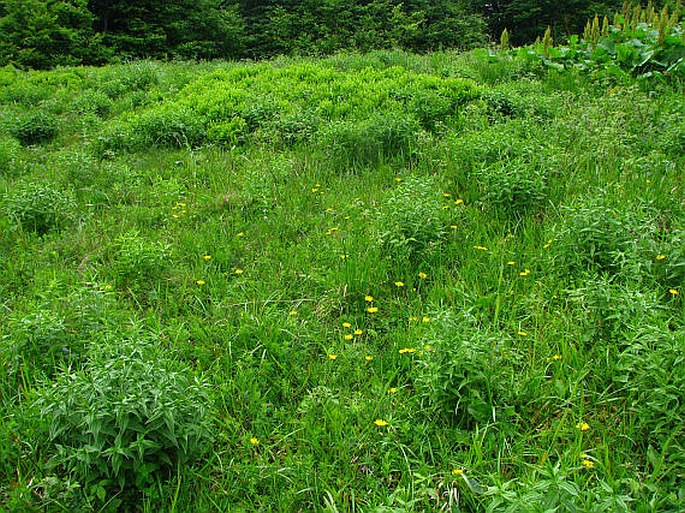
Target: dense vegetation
(380, 282)
(48, 33)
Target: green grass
(520, 232)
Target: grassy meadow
(365, 283)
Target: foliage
(39, 207)
(130, 416)
(9, 149)
(34, 127)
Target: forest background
(46, 33)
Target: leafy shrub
(127, 419)
(39, 207)
(513, 187)
(139, 263)
(34, 127)
(9, 148)
(167, 126)
(411, 220)
(92, 102)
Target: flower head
(372, 309)
(399, 284)
(348, 336)
(583, 426)
(238, 271)
(332, 356)
(200, 282)
(254, 441)
(423, 275)
(346, 325)
(660, 257)
(380, 422)
(358, 331)
(207, 257)
(368, 299)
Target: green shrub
(9, 148)
(139, 263)
(34, 127)
(167, 126)
(39, 207)
(513, 187)
(127, 419)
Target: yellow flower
(427, 347)
(346, 325)
(423, 275)
(459, 202)
(372, 309)
(446, 195)
(660, 257)
(238, 271)
(358, 332)
(392, 390)
(254, 441)
(332, 356)
(207, 257)
(453, 226)
(344, 256)
(180, 204)
(399, 284)
(588, 463)
(380, 422)
(240, 234)
(407, 350)
(549, 242)
(457, 472)
(556, 357)
(524, 273)
(481, 248)
(348, 337)
(368, 358)
(523, 333)
(673, 291)
(511, 262)
(426, 319)
(583, 426)
(368, 299)
(293, 312)
(398, 179)
(200, 282)
(175, 216)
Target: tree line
(47, 33)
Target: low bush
(39, 207)
(34, 127)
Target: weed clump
(34, 128)
(39, 207)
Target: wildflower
(511, 262)
(459, 202)
(346, 218)
(239, 271)
(405, 350)
(524, 273)
(368, 358)
(423, 275)
(660, 257)
(523, 333)
(673, 291)
(180, 204)
(254, 441)
(444, 207)
(446, 195)
(583, 426)
(426, 319)
(207, 257)
(457, 472)
(399, 284)
(358, 332)
(346, 325)
(240, 234)
(588, 463)
(200, 282)
(481, 248)
(549, 242)
(329, 209)
(556, 357)
(398, 179)
(175, 216)
(348, 337)
(344, 256)
(413, 319)
(380, 422)
(392, 390)
(372, 309)
(332, 356)
(293, 313)
(368, 299)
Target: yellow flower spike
(175, 216)
(372, 309)
(660, 257)
(368, 299)
(238, 271)
(423, 275)
(346, 325)
(332, 356)
(673, 291)
(399, 284)
(254, 441)
(368, 358)
(583, 426)
(348, 337)
(346, 218)
(358, 332)
(200, 282)
(380, 422)
(549, 243)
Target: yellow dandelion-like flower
(180, 204)
(556, 357)
(254, 441)
(315, 189)
(346, 325)
(344, 256)
(453, 226)
(524, 273)
(406, 350)
(293, 313)
(446, 195)
(523, 333)
(372, 309)
(368, 358)
(426, 319)
(673, 291)
(240, 234)
(239, 271)
(459, 202)
(332, 356)
(588, 463)
(413, 319)
(511, 262)
(583, 426)
(549, 243)
(457, 472)
(481, 248)
(399, 284)
(348, 337)
(423, 275)
(380, 422)
(660, 257)
(392, 390)
(428, 347)
(358, 332)
(398, 179)
(207, 257)
(368, 299)
(200, 282)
